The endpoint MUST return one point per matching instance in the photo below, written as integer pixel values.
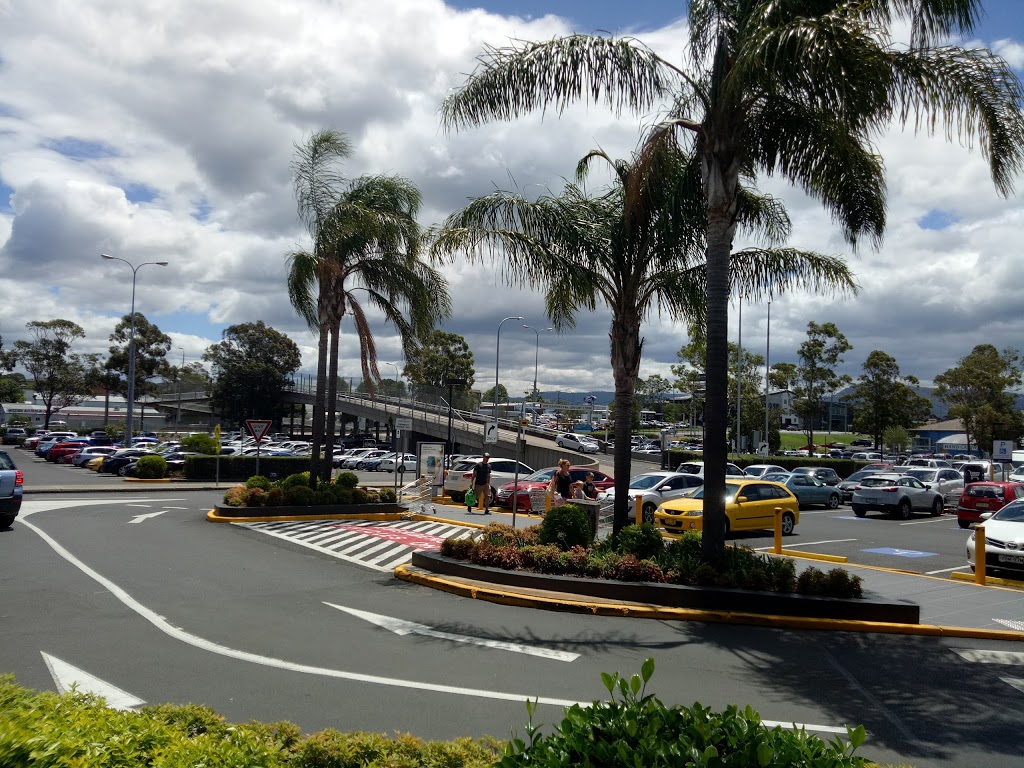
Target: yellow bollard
(778, 530)
(639, 509)
(979, 554)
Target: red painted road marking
(397, 535)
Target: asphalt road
(141, 592)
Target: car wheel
(647, 512)
(964, 523)
(788, 523)
(859, 511)
(937, 507)
(833, 501)
(457, 496)
(903, 509)
(123, 471)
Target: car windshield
(645, 481)
(692, 469)
(541, 475)
(1011, 513)
(924, 475)
(730, 492)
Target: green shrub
(360, 496)
(347, 480)
(629, 568)
(388, 495)
(275, 497)
(299, 495)
(835, 583)
(567, 526)
(633, 728)
(343, 496)
(299, 478)
(644, 540)
(151, 467)
(259, 481)
(201, 443)
(255, 497)
(236, 497)
(459, 549)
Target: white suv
(697, 468)
(457, 479)
(577, 443)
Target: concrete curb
(996, 582)
(597, 608)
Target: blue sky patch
(5, 198)
(201, 211)
(900, 552)
(139, 193)
(80, 149)
(937, 220)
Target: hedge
(843, 467)
(243, 467)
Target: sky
(162, 130)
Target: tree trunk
(720, 183)
(626, 348)
(318, 407)
(332, 401)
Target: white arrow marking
(147, 506)
(1015, 682)
(402, 627)
(140, 518)
(979, 656)
(65, 676)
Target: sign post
(216, 437)
(258, 428)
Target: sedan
(540, 480)
(979, 499)
(373, 456)
(89, 453)
(1004, 539)
(406, 463)
(760, 470)
(894, 494)
(115, 462)
(653, 488)
(946, 481)
(749, 506)
(576, 442)
(809, 490)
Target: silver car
(656, 487)
(948, 482)
(899, 495)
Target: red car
(988, 496)
(61, 453)
(540, 479)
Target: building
(943, 437)
(91, 413)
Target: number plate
(1016, 559)
(981, 506)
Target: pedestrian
(589, 488)
(561, 482)
(482, 482)
(577, 490)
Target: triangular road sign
(258, 428)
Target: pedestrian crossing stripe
(380, 545)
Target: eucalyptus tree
(60, 377)
(585, 250)
(799, 89)
(366, 258)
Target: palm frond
(303, 286)
(315, 176)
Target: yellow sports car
(749, 505)
(94, 464)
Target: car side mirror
(986, 515)
(741, 499)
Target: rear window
(5, 461)
(877, 482)
(984, 491)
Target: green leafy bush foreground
(632, 728)
(638, 553)
(294, 490)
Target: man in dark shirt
(482, 482)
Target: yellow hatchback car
(94, 464)
(749, 506)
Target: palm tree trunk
(318, 407)
(720, 185)
(626, 348)
(332, 400)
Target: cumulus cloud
(163, 131)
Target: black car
(11, 489)
(115, 463)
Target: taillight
(889, 490)
(19, 479)
(468, 475)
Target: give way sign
(258, 428)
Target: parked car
(62, 452)
(91, 452)
(457, 479)
(895, 494)
(760, 470)
(1004, 539)
(113, 463)
(43, 446)
(406, 463)
(749, 505)
(352, 459)
(576, 442)
(697, 468)
(14, 435)
(981, 469)
(540, 479)
(917, 461)
(364, 461)
(825, 475)
(654, 488)
(983, 498)
(12, 487)
(946, 481)
(810, 490)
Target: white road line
(195, 641)
(147, 516)
(938, 519)
(808, 543)
(946, 570)
(166, 507)
(1015, 682)
(65, 676)
(147, 506)
(982, 656)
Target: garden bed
(682, 596)
(312, 510)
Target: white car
(697, 468)
(895, 494)
(946, 481)
(1004, 539)
(655, 488)
(760, 470)
(406, 463)
(350, 461)
(577, 443)
(457, 479)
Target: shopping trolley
(417, 496)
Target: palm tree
(584, 250)
(797, 88)
(368, 243)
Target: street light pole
(497, 354)
(536, 357)
(767, 367)
(177, 423)
(131, 344)
(394, 432)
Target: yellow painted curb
(995, 581)
(146, 479)
(812, 556)
(499, 596)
